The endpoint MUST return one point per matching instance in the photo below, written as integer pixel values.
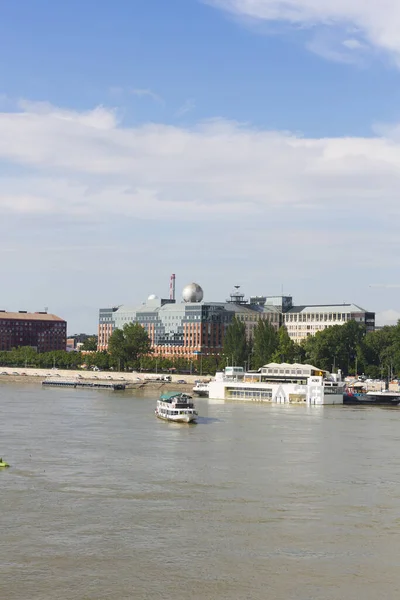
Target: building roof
(290, 366)
(156, 306)
(327, 308)
(26, 316)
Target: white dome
(152, 297)
(192, 293)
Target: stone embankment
(132, 380)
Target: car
(4, 373)
(14, 373)
(181, 381)
(23, 374)
(109, 377)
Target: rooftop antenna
(46, 308)
(172, 287)
(237, 297)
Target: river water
(104, 501)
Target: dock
(79, 383)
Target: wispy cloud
(353, 44)
(143, 93)
(376, 22)
(267, 188)
(187, 107)
(329, 44)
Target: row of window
(257, 393)
(305, 317)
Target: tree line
(346, 347)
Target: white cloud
(377, 22)
(353, 44)
(270, 206)
(186, 107)
(213, 164)
(143, 93)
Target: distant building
(70, 344)
(303, 321)
(106, 327)
(40, 330)
(188, 328)
(194, 327)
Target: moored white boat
(201, 389)
(176, 407)
(279, 383)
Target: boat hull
(177, 418)
(370, 400)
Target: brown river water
(257, 502)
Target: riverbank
(131, 380)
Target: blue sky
(249, 142)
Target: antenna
(46, 308)
(172, 287)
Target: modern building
(303, 321)
(194, 326)
(40, 330)
(189, 328)
(106, 327)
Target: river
(104, 501)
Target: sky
(232, 142)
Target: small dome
(192, 293)
(152, 297)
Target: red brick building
(39, 330)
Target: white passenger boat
(280, 383)
(176, 407)
(201, 389)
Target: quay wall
(131, 380)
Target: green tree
(265, 343)
(128, 345)
(337, 347)
(286, 350)
(236, 348)
(90, 344)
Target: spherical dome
(192, 293)
(152, 297)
